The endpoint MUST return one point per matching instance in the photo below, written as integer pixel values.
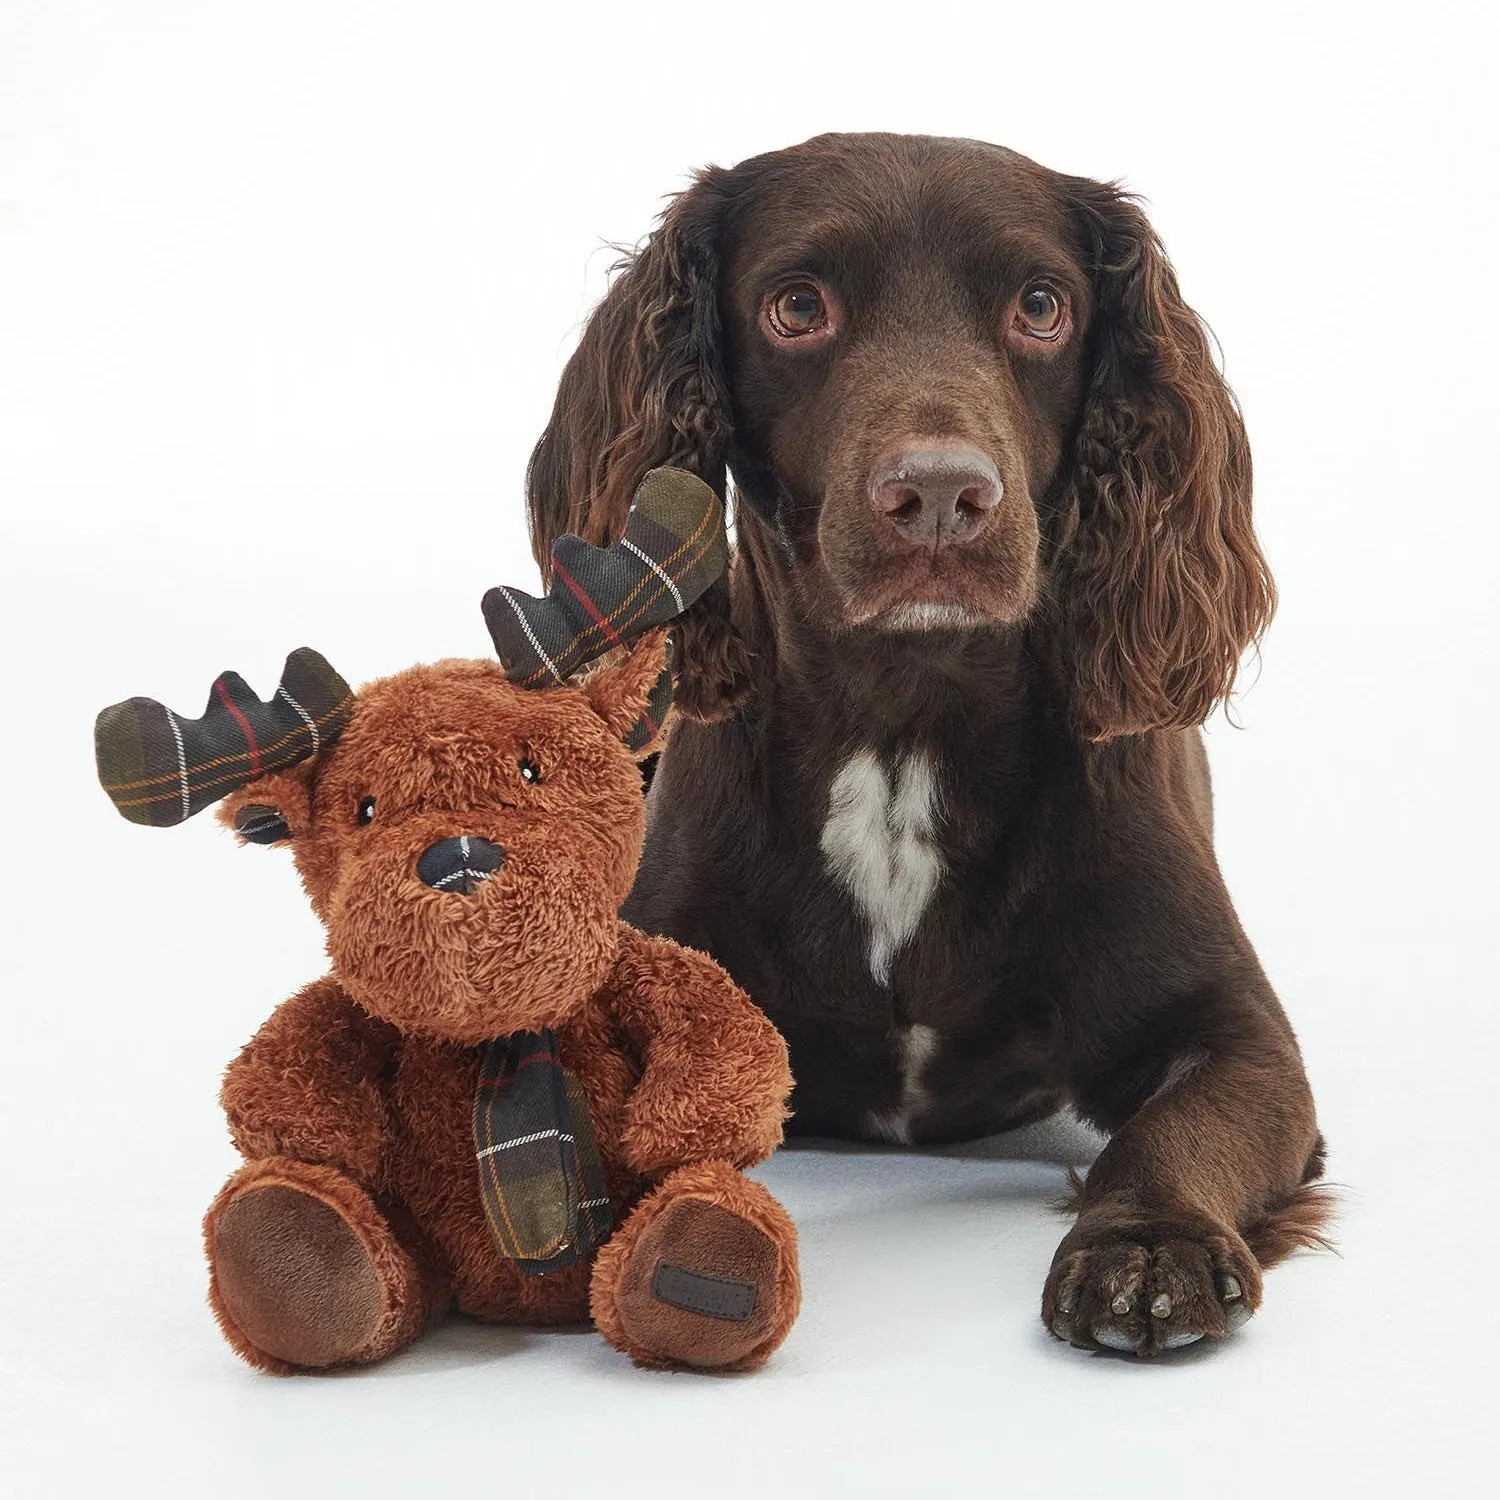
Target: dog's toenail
(1162, 1306)
(1114, 1338)
(1232, 1288)
(1063, 1329)
(1120, 1306)
(1237, 1317)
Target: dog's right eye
(1040, 313)
(366, 814)
(797, 310)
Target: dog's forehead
(893, 190)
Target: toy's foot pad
(300, 1284)
(700, 1288)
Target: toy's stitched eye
(530, 771)
(366, 814)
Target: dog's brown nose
(935, 493)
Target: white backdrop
(284, 290)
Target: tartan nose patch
(459, 865)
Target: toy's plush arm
(307, 1084)
(715, 1079)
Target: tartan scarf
(540, 1177)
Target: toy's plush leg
(703, 1273)
(306, 1273)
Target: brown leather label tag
(721, 1297)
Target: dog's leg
(1204, 1182)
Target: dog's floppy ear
(1161, 585)
(645, 388)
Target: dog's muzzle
(459, 865)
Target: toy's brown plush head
(468, 830)
(468, 843)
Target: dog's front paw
(1150, 1285)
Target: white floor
(919, 1365)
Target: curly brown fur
(1159, 583)
(646, 380)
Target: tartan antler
(160, 769)
(673, 547)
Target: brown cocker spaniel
(936, 798)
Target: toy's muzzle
(459, 865)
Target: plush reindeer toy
(500, 1097)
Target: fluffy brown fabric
(993, 547)
(357, 1218)
(305, 1271)
(705, 1217)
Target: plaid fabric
(159, 769)
(648, 726)
(674, 546)
(540, 1177)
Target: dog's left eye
(797, 310)
(530, 771)
(1040, 312)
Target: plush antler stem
(160, 769)
(673, 547)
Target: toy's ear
(273, 809)
(633, 695)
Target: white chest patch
(879, 842)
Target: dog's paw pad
(1180, 1340)
(1114, 1336)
